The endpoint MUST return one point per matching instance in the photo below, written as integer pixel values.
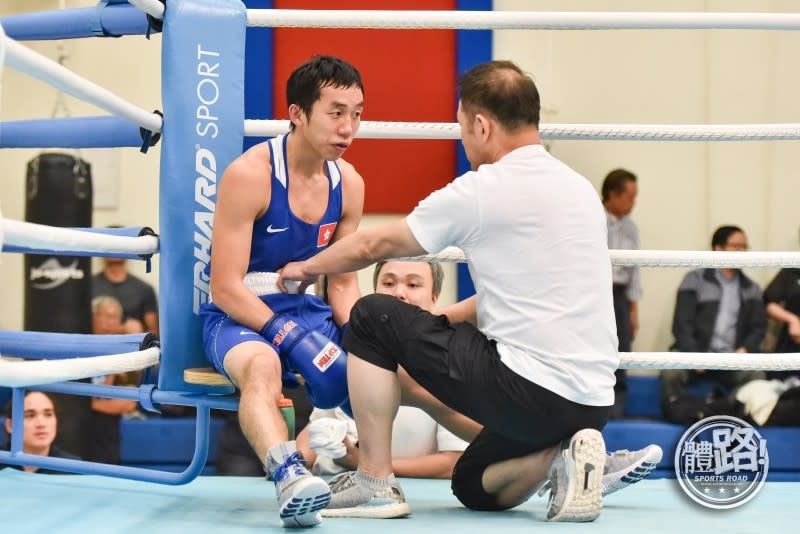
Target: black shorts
(461, 367)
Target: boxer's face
(333, 121)
(410, 282)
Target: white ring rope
(40, 236)
(673, 132)
(708, 360)
(505, 20)
(661, 258)
(153, 8)
(521, 20)
(554, 132)
(704, 258)
(34, 64)
(23, 373)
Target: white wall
(686, 189)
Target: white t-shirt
(534, 235)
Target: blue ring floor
(66, 504)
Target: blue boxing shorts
(221, 332)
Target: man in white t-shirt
(421, 447)
(531, 356)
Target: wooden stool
(206, 376)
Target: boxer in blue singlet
(278, 237)
(285, 200)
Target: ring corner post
(203, 51)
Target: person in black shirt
(138, 298)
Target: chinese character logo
(721, 462)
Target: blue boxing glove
(321, 362)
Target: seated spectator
(104, 433)
(39, 431)
(107, 317)
(137, 297)
(717, 310)
(105, 437)
(776, 402)
(782, 298)
(420, 447)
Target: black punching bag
(58, 288)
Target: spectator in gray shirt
(717, 310)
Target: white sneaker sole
(309, 496)
(640, 470)
(384, 511)
(585, 459)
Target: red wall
(409, 76)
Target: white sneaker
(576, 478)
(301, 495)
(624, 467)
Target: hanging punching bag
(58, 288)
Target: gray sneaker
(355, 494)
(624, 467)
(576, 478)
(301, 495)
